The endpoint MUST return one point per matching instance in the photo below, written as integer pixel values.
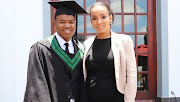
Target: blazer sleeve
(131, 79)
(36, 88)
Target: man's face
(65, 26)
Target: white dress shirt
(61, 42)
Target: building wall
(162, 48)
(7, 52)
(167, 48)
(35, 21)
(23, 22)
(174, 46)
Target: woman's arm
(131, 78)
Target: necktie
(66, 49)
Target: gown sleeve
(37, 87)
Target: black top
(101, 84)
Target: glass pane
(142, 62)
(80, 38)
(116, 26)
(142, 82)
(88, 4)
(116, 5)
(88, 36)
(129, 6)
(128, 23)
(80, 2)
(141, 6)
(80, 24)
(90, 29)
(142, 49)
(133, 38)
(142, 41)
(142, 23)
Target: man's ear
(55, 26)
(54, 23)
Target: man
(55, 63)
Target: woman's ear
(111, 19)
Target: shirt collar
(61, 41)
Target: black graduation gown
(53, 76)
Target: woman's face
(100, 19)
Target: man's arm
(37, 88)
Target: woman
(109, 61)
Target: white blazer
(124, 61)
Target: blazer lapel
(116, 54)
(89, 44)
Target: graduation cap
(69, 8)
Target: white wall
(23, 22)
(33, 24)
(29, 29)
(168, 48)
(174, 46)
(162, 49)
(7, 51)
